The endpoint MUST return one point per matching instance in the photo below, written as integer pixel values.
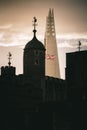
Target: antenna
(9, 59)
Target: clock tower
(52, 62)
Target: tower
(34, 57)
(76, 75)
(52, 62)
(8, 70)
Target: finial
(34, 24)
(79, 45)
(52, 12)
(49, 12)
(9, 58)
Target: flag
(50, 57)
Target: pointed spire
(34, 24)
(52, 13)
(50, 25)
(49, 14)
(52, 60)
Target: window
(36, 61)
(36, 52)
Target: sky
(16, 18)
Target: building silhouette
(76, 75)
(76, 80)
(52, 61)
(27, 98)
(34, 57)
(33, 100)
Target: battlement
(8, 71)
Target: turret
(34, 57)
(8, 70)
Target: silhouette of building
(8, 70)
(76, 80)
(34, 101)
(29, 99)
(34, 57)
(52, 61)
(76, 75)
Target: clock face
(50, 57)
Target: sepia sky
(16, 18)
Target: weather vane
(79, 47)
(34, 23)
(9, 58)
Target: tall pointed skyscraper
(52, 61)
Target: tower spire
(52, 61)
(34, 24)
(49, 14)
(50, 26)
(52, 13)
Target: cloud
(71, 43)
(5, 26)
(71, 40)
(65, 44)
(71, 36)
(1, 35)
(12, 37)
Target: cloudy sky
(16, 23)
